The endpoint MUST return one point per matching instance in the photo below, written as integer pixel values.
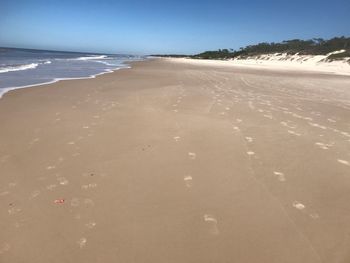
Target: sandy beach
(171, 161)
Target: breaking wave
(18, 67)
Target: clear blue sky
(162, 26)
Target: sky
(162, 26)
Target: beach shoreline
(6, 90)
(243, 63)
(177, 161)
(22, 68)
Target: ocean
(20, 68)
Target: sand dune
(282, 61)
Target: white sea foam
(106, 63)
(111, 66)
(18, 68)
(91, 57)
(5, 90)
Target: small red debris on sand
(59, 201)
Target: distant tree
(315, 46)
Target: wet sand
(176, 162)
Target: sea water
(21, 68)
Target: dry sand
(299, 63)
(175, 162)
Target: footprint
(90, 225)
(280, 176)
(213, 223)
(82, 242)
(307, 118)
(251, 105)
(298, 205)
(314, 216)
(249, 139)
(268, 116)
(88, 186)
(343, 162)
(192, 156)
(294, 133)
(345, 134)
(286, 124)
(51, 187)
(34, 194)
(62, 180)
(19, 224)
(323, 145)
(317, 125)
(14, 210)
(188, 181)
(316, 113)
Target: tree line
(315, 46)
